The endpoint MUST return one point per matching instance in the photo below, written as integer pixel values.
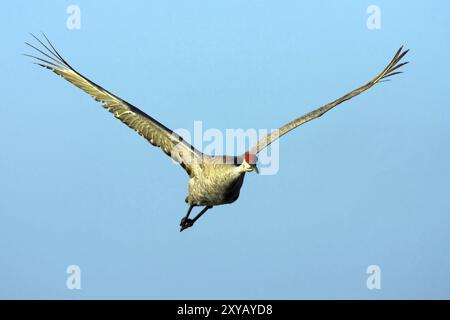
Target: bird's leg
(186, 217)
(186, 222)
(201, 213)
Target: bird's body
(215, 183)
(213, 180)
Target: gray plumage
(213, 180)
(217, 181)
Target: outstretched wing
(390, 70)
(152, 130)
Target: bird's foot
(186, 223)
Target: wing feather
(389, 71)
(155, 132)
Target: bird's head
(249, 162)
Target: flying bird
(213, 180)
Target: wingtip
(40, 64)
(45, 36)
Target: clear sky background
(367, 184)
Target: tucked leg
(186, 217)
(201, 213)
(186, 222)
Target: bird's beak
(250, 167)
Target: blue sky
(367, 184)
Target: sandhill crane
(214, 180)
